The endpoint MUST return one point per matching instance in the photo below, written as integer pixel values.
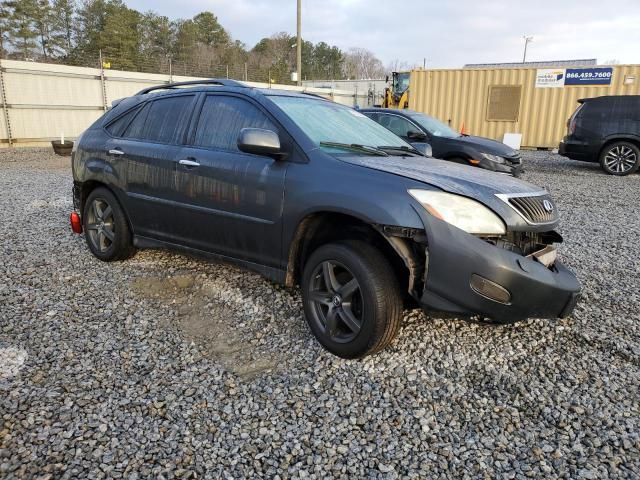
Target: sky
(446, 33)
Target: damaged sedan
(311, 193)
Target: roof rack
(304, 92)
(213, 81)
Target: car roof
(606, 97)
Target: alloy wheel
(620, 159)
(100, 225)
(336, 301)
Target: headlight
(493, 158)
(461, 212)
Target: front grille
(538, 209)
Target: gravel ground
(167, 366)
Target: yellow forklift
(397, 94)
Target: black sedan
(420, 129)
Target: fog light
(76, 223)
(489, 289)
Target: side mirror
(259, 142)
(424, 148)
(386, 79)
(416, 136)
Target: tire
(620, 158)
(364, 317)
(105, 226)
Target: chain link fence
(245, 71)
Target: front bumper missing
(536, 290)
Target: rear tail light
(76, 222)
(572, 125)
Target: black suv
(310, 192)
(605, 130)
(419, 129)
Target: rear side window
(118, 127)
(596, 110)
(164, 120)
(627, 108)
(222, 118)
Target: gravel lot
(167, 366)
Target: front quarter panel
(326, 184)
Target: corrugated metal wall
(367, 92)
(44, 101)
(461, 96)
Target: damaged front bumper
(511, 167)
(468, 276)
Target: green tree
(5, 15)
(43, 21)
(185, 40)
(22, 30)
(209, 31)
(110, 27)
(62, 25)
(90, 21)
(327, 62)
(157, 35)
(119, 40)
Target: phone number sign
(588, 76)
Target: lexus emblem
(548, 206)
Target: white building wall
(44, 101)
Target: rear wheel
(352, 300)
(620, 158)
(105, 227)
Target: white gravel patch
(11, 361)
(166, 366)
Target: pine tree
(43, 19)
(5, 15)
(22, 29)
(62, 21)
(119, 40)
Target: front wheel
(620, 158)
(352, 300)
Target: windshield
(401, 82)
(328, 122)
(434, 127)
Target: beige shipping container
(493, 101)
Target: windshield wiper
(404, 149)
(356, 148)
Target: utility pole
(299, 45)
(527, 39)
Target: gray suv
(308, 192)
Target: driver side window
(397, 125)
(223, 117)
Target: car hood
(452, 177)
(481, 185)
(487, 145)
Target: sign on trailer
(588, 76)
(550, 78)
(560, 77)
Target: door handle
(188, 163)
(115, 151)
